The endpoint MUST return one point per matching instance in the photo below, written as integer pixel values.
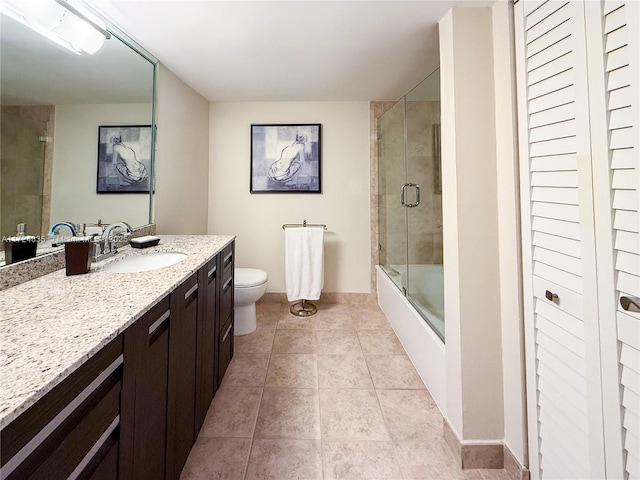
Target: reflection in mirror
(53, 103)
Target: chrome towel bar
(303, 224)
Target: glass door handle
(403, 194)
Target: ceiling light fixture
(64, 22)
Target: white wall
(515, 432)
(75, 164)
(182, 158)
(256, 219)
(470, 226)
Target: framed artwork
(285, 158)
(124, 159)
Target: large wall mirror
(54, 103)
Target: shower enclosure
(410, 200)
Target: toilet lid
(249, 277)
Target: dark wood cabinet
(134, 410)
(182, 375)
(70, 431)
(145, 395)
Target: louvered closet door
(615, 99)
(562, 344)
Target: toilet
(249, 284)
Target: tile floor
(332, 396)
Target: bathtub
(424, 347)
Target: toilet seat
(249, 277)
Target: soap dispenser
(20, 247)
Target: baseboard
(483, 455)
(327, 297)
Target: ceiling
(289, 50)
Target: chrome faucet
(108, 243)
(55, 230)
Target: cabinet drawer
(57, 432)
(226, 348)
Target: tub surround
(53, 324)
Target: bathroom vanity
(110, 375)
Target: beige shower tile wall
(26, 185)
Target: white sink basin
(146, 262)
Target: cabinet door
(144, 399)
(559, 266)
(182, 375)
(207, 333)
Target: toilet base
(244, 319)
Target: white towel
(304, 263)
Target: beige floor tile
(289, 413)
(351, 415)
(287, 321)
(217, 458)
(260, 341)
(294, 341)
(371, 319)
(232, 413)
(278, 459)
(337, 341)
(410, 414)
(246, 370)
(380, 342)
(290, 370)
(360, 460)
(267, 318)
(425, 460)
(343, 371)
(334, 320)
(393, 371)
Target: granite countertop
(51, 325)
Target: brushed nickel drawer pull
(630, 304)
(154, 326)
(226, 259)
(191, 291)
(226, 284)
(552, 297)
(212, 272)
(226, 334)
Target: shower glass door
(425, 282)
(410, 199)
(392, 221)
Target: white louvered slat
(616, 39)
(568, 196)
(618, 78)
(532, 5)
(628, 263)
(558, 466)
(549, 22)
(633, 465)
(549, 365)
(569, 323)
(617, 59)
(619, 98)
(555, 275)
(629, 330)
(553, 99)
(557, 227)
(629, 284)
(572, 343)
(546, 344)
(621, 138)
(620, 118)
(611, 5)
(555, 130)
(614, 20)
(623, 159)
(627, 242)
(545, 10)
(548, 70)
(554, 179)
(554, 390)
(562, 245)
(630, 379)
(553, 163)
(625, 200)
(553, 147)
(630, 357)
(559, 260)
(631, 401)
(625, 179)
(569, 213)
(552, 52)
(626, 220)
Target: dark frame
(130, 170)
(286, 158)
